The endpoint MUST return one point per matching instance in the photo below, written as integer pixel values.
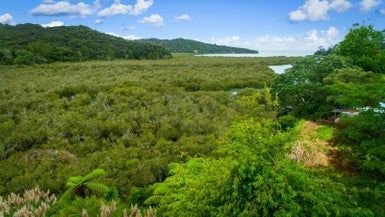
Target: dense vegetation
(350, 77)
(131, 118)
(170, 136)
(181, 45)
(31, 44)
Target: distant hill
(31, 43)
(181, 45)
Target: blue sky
(274, 25)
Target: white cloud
(99, 21)
(6, 19)
(122, 9)
(154, 20)
(367, 5)
(127, 37)
(53, 24)
(312, 10)
(182, 17)
(62, 8)
(115, 9)
(48, 1)
(315, 10)
(308, 42)
(142, 6)
(382, 11)
(340, 5)
(228, 40)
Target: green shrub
(24, 57)
(287, 122)
(6, 56)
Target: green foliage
(365, 46)
(301, 89)
(32, 44)
(23, 57)
(352, 87)
(6, 56)
(287, 122)
(364, 136)
(76, 206)
(83, 186)
(325, 132)
(252, 177)
(181, 45)
(324, 52)
(131, 118)
(318, 84)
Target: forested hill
(31, 43)
(181, 45)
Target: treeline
(32, 44)
(181, 45)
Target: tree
(252, 177)
(354, 88)
(301, 89)
(34, 44)
(364, 135)
(6, 56)
(323, 51)
(83, 185)
(365, 46)
(24, 57)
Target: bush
(6, 56)
(364, 136)
(287, 122)
(24, 57)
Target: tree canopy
(31, 44)
(181, 45)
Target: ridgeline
(32, 43)
(181, 45)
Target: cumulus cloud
(127, 37)
(6, 19)
(308, 42)
(312, 10)
(367, 5)
(63, 8)
(315, 10)
(122, 9)
(340, 5)
(182, 17)
(53, 24)
(115, 9)
(142, 6)
(154, 20)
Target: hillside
(30, 43)
(181, 45)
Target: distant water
(262, 54)
(280, 69)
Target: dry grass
(311, 150)
(33, 203)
